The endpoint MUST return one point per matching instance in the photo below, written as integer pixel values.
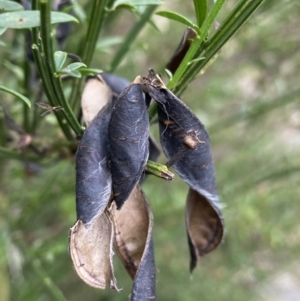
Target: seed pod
(117, 84)
(186, 144)
(91, 238)
(131, 225)
(133, 243)
(183, 47)
(95, 96)
(91, 252)
(93, 178)
(128, 134)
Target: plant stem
(88, 46)
(238, 16)
(136, 29)
(26, 86)
(196, 44)
(36, 50)
(45, 11)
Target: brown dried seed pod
(133, 243)
(128, 134)
(91, 252)
(186, 144)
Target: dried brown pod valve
(133, 243)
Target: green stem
(196, 44)
(26, 85)
(159, 170)
(238, 16)
(44, 75)
(45, 11)
(47, 88)
(88, 47)
(131, 37)
(95, 25)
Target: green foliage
(179, 18)
(29, 19)
(200, 10)
(248, 101)
(7, 6)
(18, 95)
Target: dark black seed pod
(128, 134)
(186, 144)
(93, 178)
(116, 83)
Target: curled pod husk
(93, 177)
(128, 134)
(133, 243)
(117, 84)
(186, 144)
(91, 238)
(91, 252)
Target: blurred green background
(249, 101)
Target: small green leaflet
(18, 95)
(71, 70)
(90, 71)
(132, 3)
(28, 19)
(59, 59)
(201, 11)
(179, 18)
(6, 6)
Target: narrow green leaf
(146, 2)
(28, 19)
(59, 59)
(201, 11)
(177, 17)
(74, 66)
(89, 71)
(73, 73)
(196, 60)
(18, 95)
(6, 6)
(132, 3)
(79, 12)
